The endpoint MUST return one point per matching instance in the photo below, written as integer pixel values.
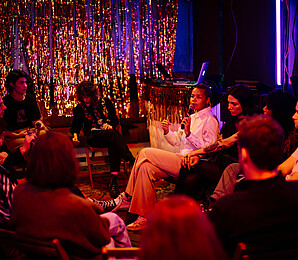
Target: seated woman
(199, 176)
(177, 229)
(281, 106)
(44, 207)
(98, 118)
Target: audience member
(289, 168)
(22, 110)
(281, 106)
(44, 207)
(263, 215)
(8, 180)
(178, 230)
(201, 129)
(98, 118)
(203, 175)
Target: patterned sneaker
(121, 202)
(108, 205)
(139, 224)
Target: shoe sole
(133, 228)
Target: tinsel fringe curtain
(66, 41)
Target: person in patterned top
(97, 117)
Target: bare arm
(287, 166)
(219, 145)
(16, 135)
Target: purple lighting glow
(278, 43)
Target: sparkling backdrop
(67, 41)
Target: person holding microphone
(200, 130)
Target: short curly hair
(12, 77)
(263, 138)
(87, 89)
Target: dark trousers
(202, 178)
(117, 147)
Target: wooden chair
(278, 251)
(125, 253)
(103, 159)
(9, 239)
(240, 252)
(93, 159)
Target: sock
(114, 178)
(128, 196)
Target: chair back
(28, 246)
(240, 252)
(125, 253)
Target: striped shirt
(6, 195)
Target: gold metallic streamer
(110, 63)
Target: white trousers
(118, 231)
(151, 165)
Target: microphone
(37, 125)
(189, 112)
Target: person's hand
(3, 156)
(192, 161)
(106, 126)
(29, 138)
(23, 133)
(75, 139)
(186, 122)
(189, 160)
(292, 177)
(165, 124)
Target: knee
(143, 153)
(115, 220)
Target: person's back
(44, 208)
(264, 213)
(46, 214)
(263, 216)
(178, 230)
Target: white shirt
(204, 130)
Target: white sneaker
(139, 224)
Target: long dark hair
(282, 104)
(245, 97)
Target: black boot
(113, 187)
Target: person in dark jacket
(98, 118)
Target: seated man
(263, 215)
(22, 110)
(200, 130)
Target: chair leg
(89, 167)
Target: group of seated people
(244, 173)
